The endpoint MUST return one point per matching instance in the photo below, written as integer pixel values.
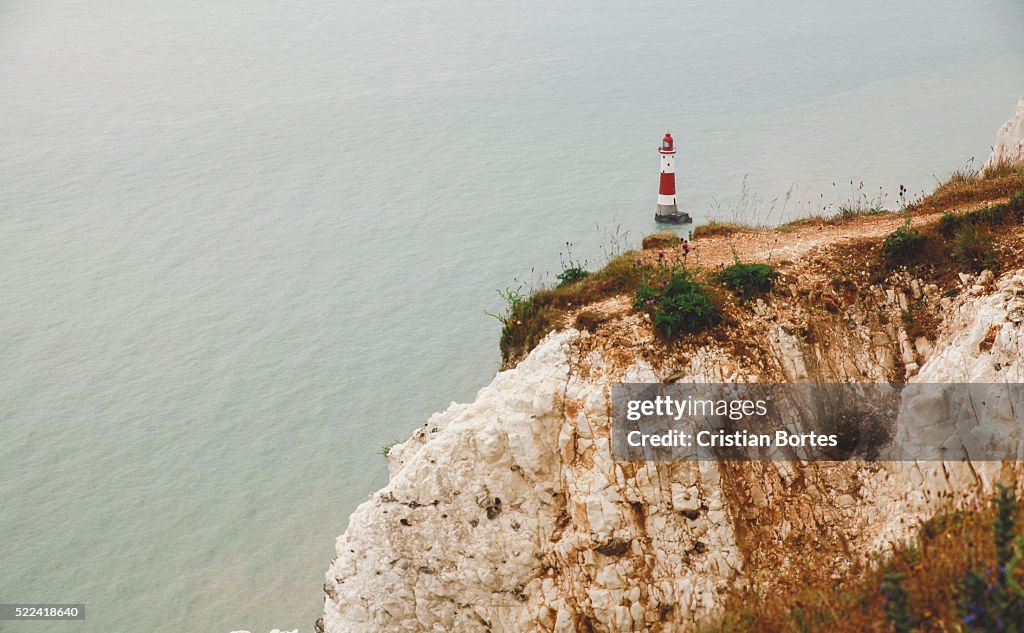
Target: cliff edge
(509, 513)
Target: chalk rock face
(509, 513)
(982, 346)
(1010, 138)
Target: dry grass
(714, 227)
(661, 239)
(967, 185)
(946, 548)
(547, 309)
(620, 275)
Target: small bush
(661, 239)
(949, 223)
(904, 245)
(749, 280)
(679, 304)
(974, 249)
(571, 275)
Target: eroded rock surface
(509, 514)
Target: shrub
(661, 239)
(974, 248)
(949, 223)
(748, 280)
(571, 275)
(679, 304)
(903, 245)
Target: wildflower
(664, 283)
(650, 302)
(639, 262)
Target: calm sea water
(243, 245)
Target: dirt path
(793, 241)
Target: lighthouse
(667, 210)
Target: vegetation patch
(905, 245)
(678, 303)
(571, 275)
(962, 573)
(958, 242)
(386, 449)
(661, 239)
(713, 228)
(528, 318)
(572, 270)
(974, 249)
(524, 323)
(748, 280)
(968, 184)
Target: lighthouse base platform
(671, 215)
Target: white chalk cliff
(510, 514)
(1010, 138)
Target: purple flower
(639, 262)
(664, 283)
(650, 302)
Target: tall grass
(969, 184)
(958, 574)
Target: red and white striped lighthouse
(667, 210)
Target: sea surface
(244, 245)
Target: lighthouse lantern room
(668, 210)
